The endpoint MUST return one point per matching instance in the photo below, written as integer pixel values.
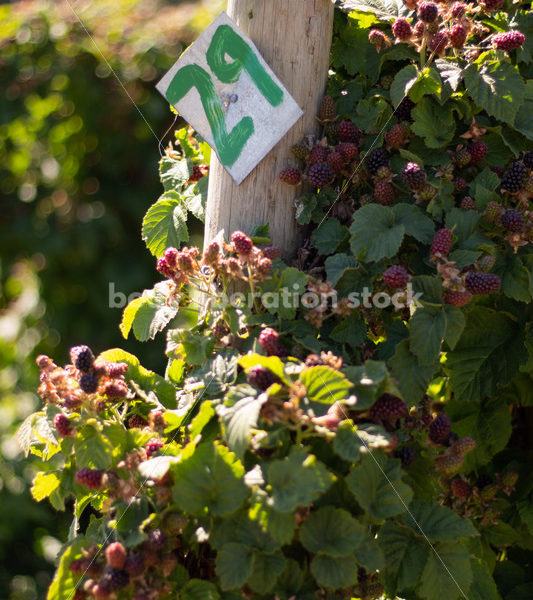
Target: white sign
(222, 86)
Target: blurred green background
(78, 169)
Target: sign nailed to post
(222, 86)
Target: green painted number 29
(225, 42)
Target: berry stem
(423, 53)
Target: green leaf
(297, 480)
(369, 380)
(350, 330)
(192, 347)
(373, 114)
(305, 205)
(483, 586)
(325, 384)
(199, 589)
(447, 573)
(378, 487)
(93, 449)
(336, 265)
(497, 87)
(351, 441)
(209, 479)
(438, 523)
(64, 583)
(238, 420)
(413, 378)
(165, 224)
(455, 324)
(272, 363)
(429, 287)
(369, 555)
(279, 526)
(174, 173)
(375, 234)
(427, 327)
(328, 235)
(450, 72)
(434, 123)
(403, 82)
(241, 528)
(44, 484)
(195, 198)
(265, 571)
(233, 565)
(414, 221)
(331, 531)
(428, 82)
(488, 354)
(334, 573)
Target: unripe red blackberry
(395, 136)
(493, 211)
(271, 252)
(461, 489)
(291, 176)
(88, 383)
(300, 151)
(348, 150)
(464, 445)
(406, 455)
(449, 464)
(428, 12)
(402, 29)
(512, 220)
(336, 162)
(101, 591)
(115, 555)
(243, 244)
(403, 110)
(63, 425)
(440, 428)
(468, 203)
(508, 41)
(264, 266)
(460, 184)
(396, 276)
(486, 262)
(137, 421)
(388, 408)
(384, 193)
(458, 36)
(269, 342)
(261, 377)
(492, 5)
(134, 565)
(327, 109)
(91, 478)
(528, 159)
(378, 39)
(348, 132)
(114, 369)
(442, 243)
(457, 298)
(318, 154)
(478, 151)
(153, 446)
(375, 160)
(462, 157)
(439, 42)
(80, 565)
(320, 175)
(482, 283)
(82, 358)
(115, 579)
(458, 10)
(197, 173)
(414, 176)
(115, 389)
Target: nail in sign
(222, 86)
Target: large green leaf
(209, 480)
(403, 82)
(297, 480)
(434, 123)
(64, 584)
(165, 224)
(496, 86)
(437, 523)
(413, 378)
(427, 328)
(447, 573)
(483, 586)
(332, 531)
(266, 568)
(334, 573)
(325, 384)
(328, 235)
(382, 9)
(44, 484)
(369, 381)
(238, 421)
(414, 221)
(199, 589)
(378, 487)
(174, 173)
(375, 234)
(351, 441)
(93, 449)
(233, 565)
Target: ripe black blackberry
(82, 358)
(414, 176)
(512, 220)
(89, 383)
(514, 177)
(528, 159)
(291, 176)
(91, 478)
(348, 132)
(387, 408)
(428, 12)
(440, 428)
(261, 377)
(402, 29)
(243, 244)
(406, 455)
(483, 481)
(396, 276)
(403, 110)
(482, 283)
(320, 175)
(375, 160)
(115, 579)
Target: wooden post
(294, 37)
